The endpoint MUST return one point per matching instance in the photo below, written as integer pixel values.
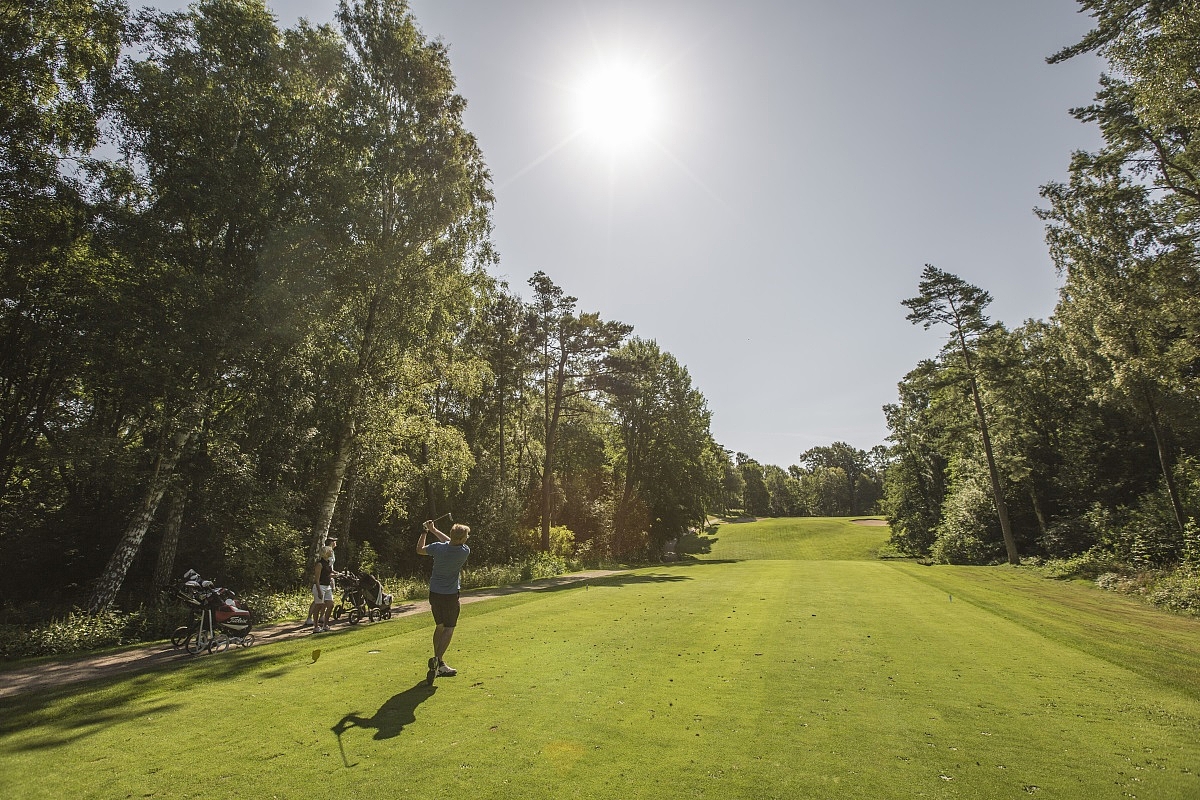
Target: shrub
(74, 632)
(562, 542)
(1178, 591)
(1191, 543)
(1175, 590)
(1090, 564)
(266, 556)
(368, 559)
(543, 565)
(271, 607)
(491, 575)
(968, 532)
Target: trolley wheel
(220, 642)
(371, 615)
(354, 616)
(246, 640)
(338, 610)
(199, 641)
(180, 636)
(385, 614)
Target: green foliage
(1089, 564)
(1085, 408)
(268, 556)
(1178, 590)
(76, 631)
(1175, 590)
(757, 496)
(968, 533)
(368, 559)
(543, 565)
(562, 542)
(1191, 543)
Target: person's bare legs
(441, 640)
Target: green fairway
(786, 663)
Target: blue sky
(808, 159)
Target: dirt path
(76, 670)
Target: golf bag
(227, 614)
(363, 596)
(373, 595)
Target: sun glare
(616, 106)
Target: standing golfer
(449, 553)
(322, 589)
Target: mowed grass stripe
(1160, 646)
(761, 678)
(799, 539)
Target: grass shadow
(57, 725)
(628, 579)
(389, 721)
(690, 544)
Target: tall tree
(667, 463)
(405, 254)
(572, 348)
(56, 62)
(1122, 230)
(852, 461)
(946, 299)
(926, 424)
(1120, 305)
(200, 121)
(1116, 19)
(757, 496)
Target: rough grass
(801, 669)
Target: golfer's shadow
(390, 719)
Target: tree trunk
(351, 489)
(503, 476)
(547, 496)
(1010, 543)
(553, 409)
(431, 507)
(1164, 462)
(110, 581)
(345, 445)
(333, 487)
(1037, 510)
(176, 503)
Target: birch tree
(404, 257)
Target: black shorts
(444, 608)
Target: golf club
(447, 515)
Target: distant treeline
(1079, 434)
(246, 304)
(833, 481)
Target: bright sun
(616, 106)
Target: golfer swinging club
(449, 553)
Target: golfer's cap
(329, 539)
